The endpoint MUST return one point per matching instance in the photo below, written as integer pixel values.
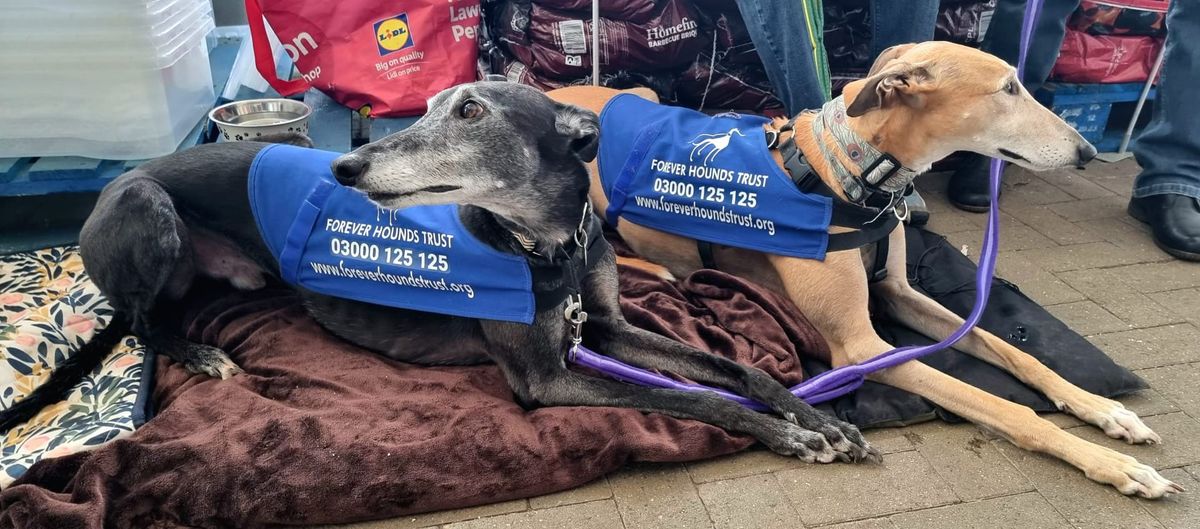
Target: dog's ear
(887, 55)
(895, 78)
(581, 127)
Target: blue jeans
(1169, 148)
(780, 33)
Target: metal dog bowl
(250, 119)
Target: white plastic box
(129, 94)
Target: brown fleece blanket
(319, 431)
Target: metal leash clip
(576, 316)
(581, 232)
(896, 210)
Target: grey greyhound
(515, 162)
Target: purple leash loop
(840, 381)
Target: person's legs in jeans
(900, 22)
(968, 187)
(1167, 192)
(780, 33)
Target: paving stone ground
(1068, 244)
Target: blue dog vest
(332, 240)
(710, 178)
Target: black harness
(559, 276)
(873, 217)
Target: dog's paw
(1112, 417)
(207, 360)
(849, 443)
(792, 440)
(1131, 477)
(845, 439)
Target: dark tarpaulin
(946, 275)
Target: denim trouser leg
(901, 21)
(1003, 37)
(1169, 149)
(780, 34)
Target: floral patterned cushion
(48, 309)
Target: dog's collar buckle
(896, 166)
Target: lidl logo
(392, 34)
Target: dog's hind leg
(138, 251)
(624, 342)
(926, 316)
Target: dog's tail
(66, 374)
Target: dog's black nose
(347, 169)
(1086, 152)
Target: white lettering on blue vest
(710, 173)
(752, 179)
(346, 227)
(671, 168)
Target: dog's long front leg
(568, 388)
(833, 294)
(614, 336)
(1024, 428)
(928, 317)
(646, 349)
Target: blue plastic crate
(1087, 107)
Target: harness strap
(880, 270)
(564, 272)
(706, 254)
(872, 225)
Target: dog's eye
(1013, 88)
(470, 109)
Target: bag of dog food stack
(1112, 41)
(110, 79)
(733, 77)
(665, 45)
(964, 21)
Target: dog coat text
(710, 178)
(332, 240)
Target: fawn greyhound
(919, 103)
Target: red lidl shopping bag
(382, 56)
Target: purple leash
(840, 381)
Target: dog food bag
(848, 34)
(1086, 58)
(964, 22)
(384, 58)
(624, 10)
(557, 44)
(1146, 18)
(728, 87)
